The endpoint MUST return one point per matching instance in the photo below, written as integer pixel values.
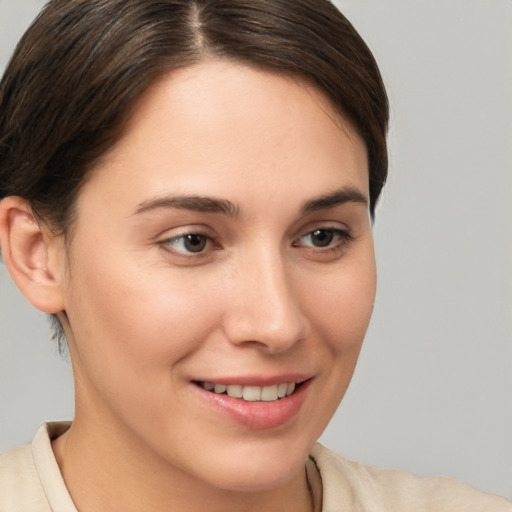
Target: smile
(251, 393)
(274, 403)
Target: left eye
(324, 237)
(189, 243)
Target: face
(224, 243)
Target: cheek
(341, 308)
(140, 320)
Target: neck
(107, 469)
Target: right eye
(188, 243)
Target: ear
(30, 253)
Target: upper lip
(257, 380)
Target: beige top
(30, 481)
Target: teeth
(269, 393)
(252, 393)
(235, 391)
(220, 388)
(281, 390)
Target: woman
(188, 187)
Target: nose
(265, 304)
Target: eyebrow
(225, 207)
(195, 203)
(336, 198)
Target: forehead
(218, 126)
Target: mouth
(272, 404)
(252, 393)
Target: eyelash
(167, 244)
(340, 238)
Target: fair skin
(275, 285)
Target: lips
(255, 406)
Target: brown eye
(194, 242)
(191, 243)
(322, 237)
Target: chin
(259, 466)
(259, 477)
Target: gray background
(433, 390)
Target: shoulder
(20, 488)
(359, 487)
(30, 480)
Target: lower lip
(257, 415)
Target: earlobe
(27, 252)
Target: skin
(144, 316)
